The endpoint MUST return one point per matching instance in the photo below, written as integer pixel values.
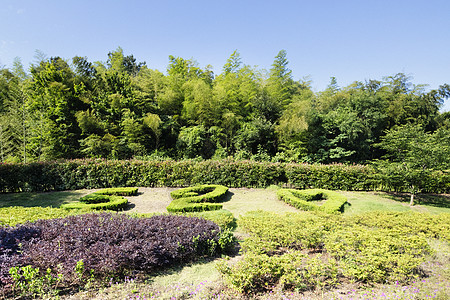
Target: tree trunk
(411, 202)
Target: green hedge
(301, 199)
(120, 191)
(97, 173)
(106, 199)
(197, 198)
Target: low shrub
(197, 198)
(271, 232)
(115, 203)
(109, 245)
(409, 223)
(377, 255)
(301, 199)
(370, 248)
(119, 191)
(222, 217)
(293, 270)
(106, 199)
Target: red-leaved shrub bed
(102, 246)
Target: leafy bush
(369, 248)
(108, 244)
(120, 191)
(301, 199)
(196, 198)
(99, 202)
(292, 270)
(223, 218)
(380, 255)
(408, 223)
(271, 232)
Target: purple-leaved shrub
(108, 245)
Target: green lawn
(360, 202)
(51, 199)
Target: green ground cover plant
(197, 198)
(323, 250)
(302, 199)
(222, 217)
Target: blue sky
(350, 40)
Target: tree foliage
(121, 109)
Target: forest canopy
(122, 109)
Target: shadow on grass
(422, 199)
(48, 199)
(227, 197)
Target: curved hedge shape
(106, 199)
(197, 198)
(300, 199)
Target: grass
(241, 201)
(51, 199)
(361, 202)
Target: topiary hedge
(197, 198)
(106, 199)
(301, 199)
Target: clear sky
(348, 39)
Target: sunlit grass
(51, 199)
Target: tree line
(121, 109)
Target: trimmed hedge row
(197, 198)
(301, 199)
(106, 199)
(79, 174)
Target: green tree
(54, 103)
(194, 142)
(14, 123)
(280, 85)
(412, 153)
